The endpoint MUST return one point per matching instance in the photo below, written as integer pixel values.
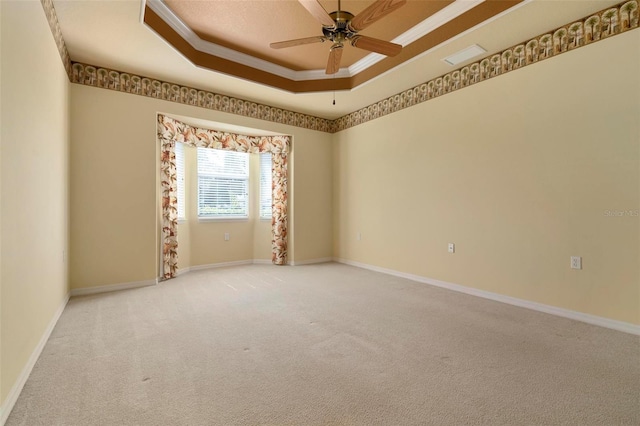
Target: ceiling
(223, 46)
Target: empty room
(319, 212)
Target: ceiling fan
(341, 26)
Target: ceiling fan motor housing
(341, 31)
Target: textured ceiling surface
(113, 34)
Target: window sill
(223, 219)
(181, 221)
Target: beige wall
(311, 163)
(34, 192)
(113, 191)
(518, 172)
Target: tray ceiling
(234, 37)
(115, 35)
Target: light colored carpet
(323, 345)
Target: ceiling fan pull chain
(334, 89)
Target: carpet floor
(325, 344)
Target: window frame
(245, 178)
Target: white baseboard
(220, 265)
(249, 262)
(310, 261)
(183, 271)
(111, 287)
(14, 393)
(553, 310)
(224, 265)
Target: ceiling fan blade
(297, 42)
(333, 64)
(318, 12)
(375, 45)
(374, 12)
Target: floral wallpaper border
(54, 25)
(105, 78)
(595, 27)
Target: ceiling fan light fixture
(464, 55)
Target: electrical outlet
(226, 236)
(576, 262)
(452, 248)
(358, 236)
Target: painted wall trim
(234, 263)
(14, 393)
(112, 287)
(311, 261)
(182, 271)
(540, 307)
(137, 284)
(221, 265)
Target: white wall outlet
(576, 262)
(226, 236)
(358, 236)
(452, 248)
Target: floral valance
(177, 131)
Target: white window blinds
(180, 177)
(265, 186)
(223, 184)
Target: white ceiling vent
(464, 55)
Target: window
(180, 178)
(265, 186)
(223, 184)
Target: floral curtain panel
(171, 131)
